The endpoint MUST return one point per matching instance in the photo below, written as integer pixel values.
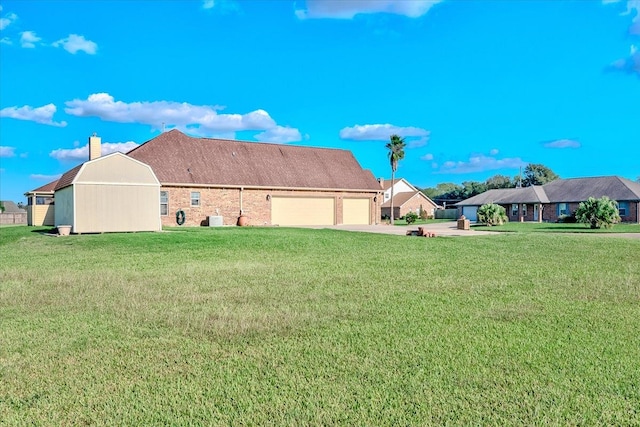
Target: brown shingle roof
(47, 188)
(67, 178)
(180, 159)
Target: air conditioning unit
(215, 221)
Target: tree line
(448, 192)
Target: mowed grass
(276, 326)
(550, 227)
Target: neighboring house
(10, 207)
(558, 198)
(114, 193)
(406, 198)
(272, 184)
(40, 207)
(10, 213)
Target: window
(563, 209)
(623, 208)
(514, 209)
(164, 203)
(524, 210)
(195, 198)
(43, 200)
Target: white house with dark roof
(558, 198)
(406, 198)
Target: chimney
(381, 181)
(94, 146)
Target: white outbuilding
(113, 193)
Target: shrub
(411, 217)
(424, 214)
(598, 213)
(492, 214)
(567, 219)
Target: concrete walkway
(439, 228)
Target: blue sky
(477, 88)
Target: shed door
(356, 211)
(302, 210)
(471, 212)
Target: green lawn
(551, 227)
(277, 326)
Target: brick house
(406, 198)
(558, 198)
(271, 184)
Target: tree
(492, 214)
(537, 174)
(598, 213)
(395, 146)
(499, 181)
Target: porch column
(539, 212)
(520, 209)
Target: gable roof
(402, 198)
(561, 191)
(387, 184)
(177, 158)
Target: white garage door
(471, 212)
(355, 211)
(302, 210)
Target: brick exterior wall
(550, 212)
(255, 204)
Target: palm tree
(395, 146)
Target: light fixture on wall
(268, 197)
(375, 199)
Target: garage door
(471, 212)
(355, 211)
(302, 210)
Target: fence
(7, 218)
(446, 213)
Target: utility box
(463, 223)
(215, 221)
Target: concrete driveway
(439, 228)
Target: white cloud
(562, 143)
(43, 115)
(632, 9)
(630, 64)
(481, 163)
(82, 153)
(6, 40)
(29, 39)
(494, 151)
(281, 134)
(7, 151)
(347, 9)
(203, 120)
(7, 20)
(382, 132)
(427, 157)
(42, 177)
(208, 4)
(75, 43)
